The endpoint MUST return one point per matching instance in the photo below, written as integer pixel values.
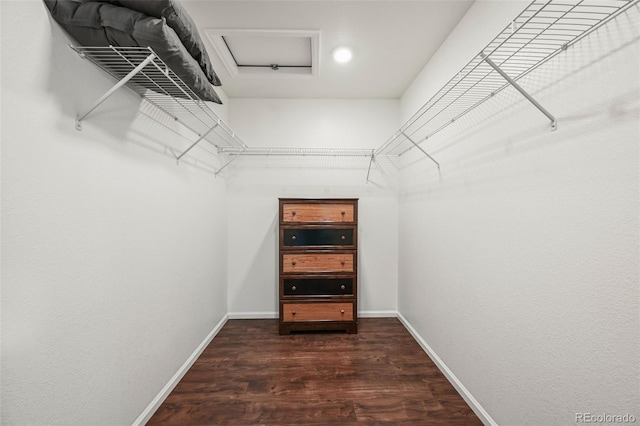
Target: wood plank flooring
(250, 375)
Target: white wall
(519, 261)
(113, 258)
(481, 24)
(254, 192)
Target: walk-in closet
(320, 212)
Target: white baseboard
(253, 315)
(377, 314)
(166, 390)
(464, 392)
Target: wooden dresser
(318, 273)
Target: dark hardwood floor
(250, 375)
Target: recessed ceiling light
(342, 55)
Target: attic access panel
(267, 53)
(252, 51)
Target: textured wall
(113, 257)
(519, 261)
(253, 193)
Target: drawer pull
(342, 287)
(342, 262)
(342, 213)
(293, 237)
(294, 288)
(342, 311)
(293, 263)
(293, 312)
(342, 237)
(293, 213)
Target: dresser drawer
(317, 212)
(317, 262)
(317, 286)
(314, 237)
(292, 312)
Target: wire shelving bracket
(142, 71)
(541, 31)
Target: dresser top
(317, 200)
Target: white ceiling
(391, 41)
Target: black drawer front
(318, 287)
(318, 237)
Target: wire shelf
(318, 158)
(301, 152)
(142, 71)
(541, 31)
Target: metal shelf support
(420, 148)
(225, 165)
(114, 89)
(202, 136)
(512, 82)
(371, 161)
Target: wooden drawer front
(292, 312)
(317, 262)
(318, 286)
(317, 237)
(293, 212)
